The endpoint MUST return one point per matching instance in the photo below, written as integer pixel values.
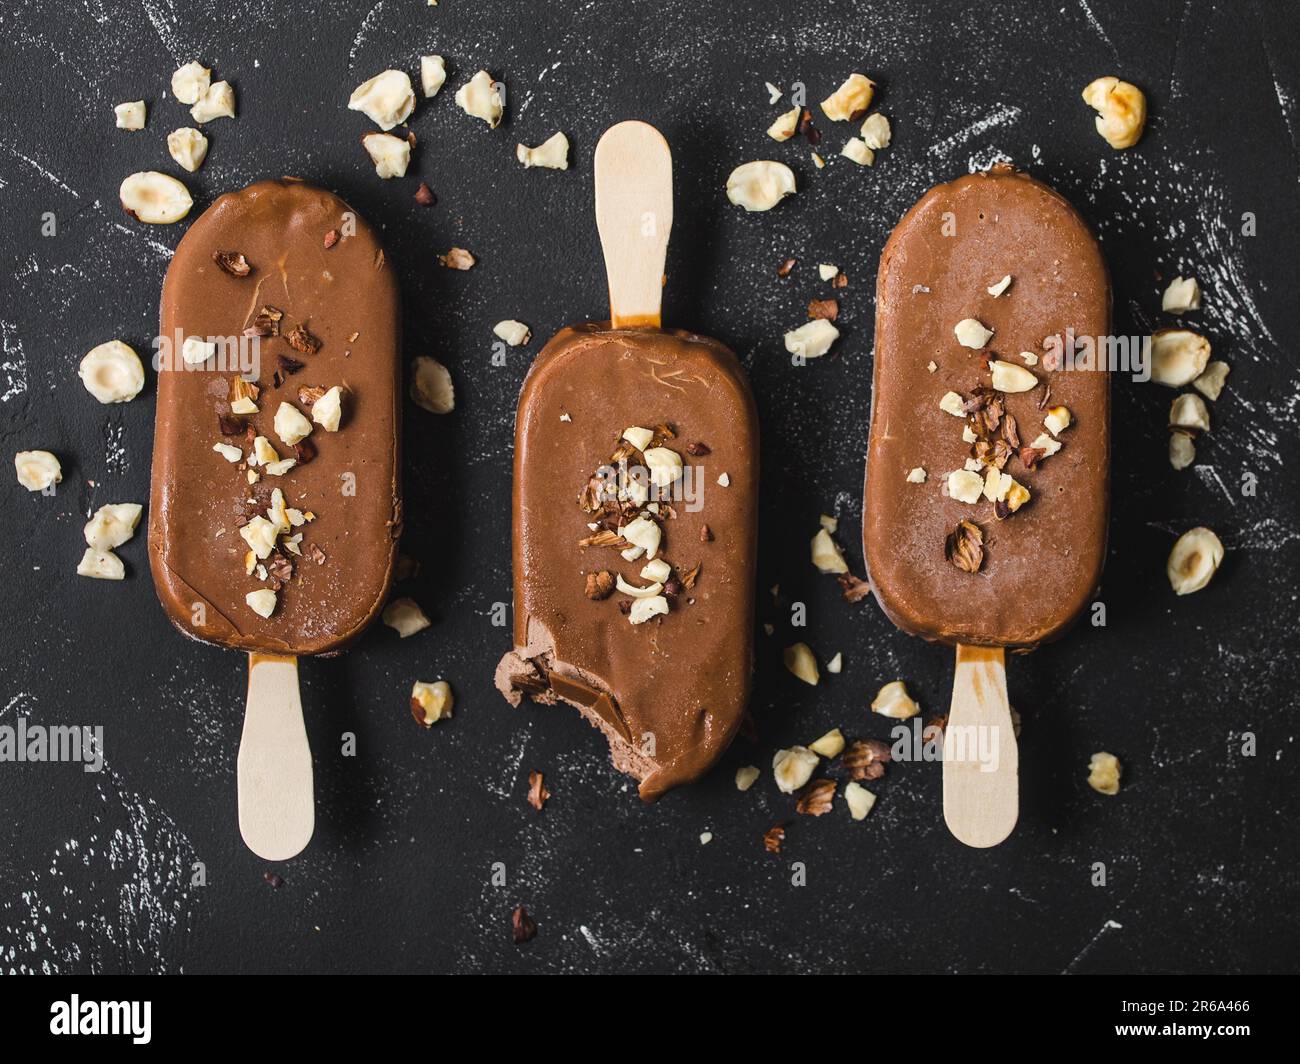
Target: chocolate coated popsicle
(287, 280)
(1014, 565)
(635, 494)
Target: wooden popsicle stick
(981, 765)
(634, 213)
(277, 809)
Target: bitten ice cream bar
(635, 495)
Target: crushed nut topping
(522, 926)
(301, 340)
(232, 262)
(772, 839)
(600, 585)
(457, 259)
(824, 308)
(965, 546)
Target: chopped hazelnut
(261, 601)
(829, 745)
(154, 198)
(190, 82)
(327, 411)
(965, 485)
(457, 259)
(130, 115)
(480, 97)
(746, 777)
(798, 658)
(112, 525)
(1103, 773)
(599, 585)
(860, 800)
(785, 126)
(37, 470)
(1194, 560)
(1008, 377)
(431, 702)
(405, 617)
(793, 768)
(387, 99)
(1057, 420)
(952, 403)
(1189, 413)
(101, 565)
(1121, 110)
(1182, 450)
(894, 701)
(850, 100)
(433, 74)
(1182, 295)
(760, 185)
(816, 799)
(112, 372)
(1210, 382)
(971, 333)
(217, 101)
(431, 386)
(875, 132)
(811, 340)
(391, 155)
(1178, 356)
(1001, 286)
(826, 554)
(552, 154)
(857, 151)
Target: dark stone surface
(1200, 851)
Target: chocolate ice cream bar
(634, 591)
(275, 500)
(986, 502)
(635, 506)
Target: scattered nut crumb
(1182, 295)
(971, 333)
(457, 259)
(391, 155)
(811, 340)
(1103, 773)
(387, 99)
(1210, 383)
(760, 185)
(512, 332)
(793, 768)
(746, 777)
(1121, 110)
(826, 554)
(1001, 286)
(552, 154)
(480, 97)
(836, 665)
(772, 839)
(875, 132)
(190, 82)
(916, 476)
(850, 100)
(405, 617)
(860, 800)
(37, 470)
(433, 74)
(217, 101)
(857, 151)
(785, 126)
(1178, 356)
(1194, 559)
(154, 198)
(798, 658)
(130, 115)
(1182, 450)
(112, 372)
(431, 386)
(537, 792)
(829, 745)
(894, 701)
(431, 702)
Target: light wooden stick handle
(634, 213)
(277, 810)
(981, 765)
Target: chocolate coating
(199, 500)
(1043, 563)
(683, 678)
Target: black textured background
(96, 872)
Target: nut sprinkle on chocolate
(537, 792)
(965, 546)
(232, 262)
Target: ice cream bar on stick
(635, 505)
(275, 503)
(986, 508)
